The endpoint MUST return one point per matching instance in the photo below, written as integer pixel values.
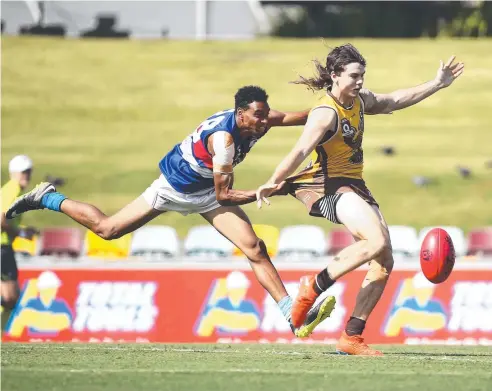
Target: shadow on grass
(421, 354)
(438, 354)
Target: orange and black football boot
(355, 345)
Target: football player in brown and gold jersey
(331, 186)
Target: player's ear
(240, 114)
(334, 77)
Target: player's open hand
(263, 192)
(448, 72)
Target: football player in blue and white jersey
(197, 177)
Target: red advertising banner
(193, 305)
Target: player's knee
(256, 251)
(107, 231)
(384, 246)
(377, 246)
(386, 255)
(111, 234)
(381, 267)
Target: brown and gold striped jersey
(339, 153)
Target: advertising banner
(229, 306)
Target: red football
(437, 255)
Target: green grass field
(81, 367)
(102, 113)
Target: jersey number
(209, 124)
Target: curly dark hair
(336, 60)
(245, 95)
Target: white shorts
(161, 195)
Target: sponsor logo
(415, 311)
(228, 313)
(227, 310)
(471, 307)
(39, 311)
(123, 306)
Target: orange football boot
(355, 345)
(304, 301)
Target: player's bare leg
(368, 226)
(351, 341)
(128, 219)
(376, 278)
(356, 215)
(131, 217)
(234, 224)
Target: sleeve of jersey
(224, 155)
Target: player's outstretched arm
(319, 121)
(221, 146)
(400, 99)
(279, 118)
(227, 196)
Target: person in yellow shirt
(20, 170)
(332, 186)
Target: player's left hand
(282, 189)
(263, 192)
(448, 72)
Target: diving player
(197, 177)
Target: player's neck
(343, 100)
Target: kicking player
(331, 186)
(197, 177)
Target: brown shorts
(327, 191)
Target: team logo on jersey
(353, 138)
